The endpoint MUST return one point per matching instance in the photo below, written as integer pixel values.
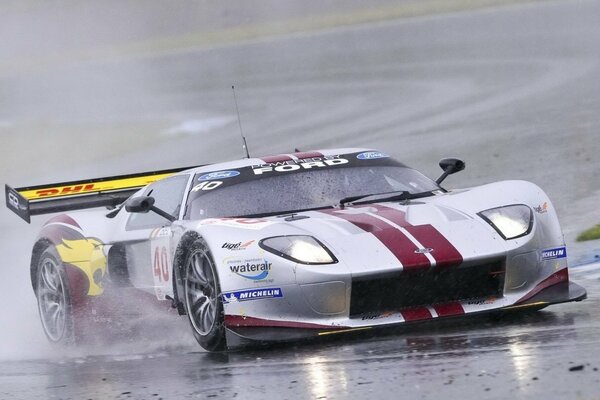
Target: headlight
(510, 221)
(298, 248)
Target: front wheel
(54, 301)
(202, 297)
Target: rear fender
(84, 255)
(38, 248)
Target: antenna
(244, 145)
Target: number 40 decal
(207, 186)
(161, 264)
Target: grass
(589, 234)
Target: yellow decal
(87, 255)
(95, 187)
(344, 330)
(536, 304)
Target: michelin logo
(551, 254)
(252, 294)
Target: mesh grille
(427, 288)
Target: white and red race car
(294, 246)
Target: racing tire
(54, 299)
(202, 297)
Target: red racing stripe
(278, 158)
(390, 237)
(444, 253)
(63, 218)
(396, 216)
(444, 310)
(416, 314)
(557, 277)
(307, 154)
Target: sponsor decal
(207, 185)
(218, 175)
(237, 246)
(371, 155)
(252, 294)
(482, 302)
(424, 250)
(66, 190)
(294, 165)
(551, 254)
(542, 208)
(370, 317)
(13, 200)
(256, 269)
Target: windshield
(305, 189)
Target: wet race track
(513, 90)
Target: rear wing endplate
(78, 195)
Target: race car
(293, 246)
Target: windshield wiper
(387, 196)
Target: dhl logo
(77, 188)
(66, 190)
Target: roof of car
(254, 161)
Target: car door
(147, 238)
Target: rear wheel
(54, 301)
(202, 297)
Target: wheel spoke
(54, 311)
(192, 278)
(199, 270)
(51, 299)
(198, 306)
(58, 323)
(201, 292)
(47, 276)
(209, 315)
(201, 314)
(46, 293)
(195, 294)
(52, 308)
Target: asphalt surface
(514, 91)
(550, 354)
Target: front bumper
(242, 330)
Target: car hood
(436, 231)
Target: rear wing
(78, 195)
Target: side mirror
(450, 166)
(144, 204)
(141, 204)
